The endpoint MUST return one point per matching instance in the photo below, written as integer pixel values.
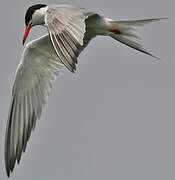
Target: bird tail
(125, 32)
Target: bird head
(34, 16)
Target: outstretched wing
(67, 27)
(38, 68)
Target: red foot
(115, 31)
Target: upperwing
(66, 26)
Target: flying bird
(70, 29)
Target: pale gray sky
(115, 117)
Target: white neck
(38, 18)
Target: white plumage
(70, 30)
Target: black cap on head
(31, 10)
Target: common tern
(70, 29)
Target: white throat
(38, 18)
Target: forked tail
(124, 32)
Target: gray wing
(67, 27)
(38, 68)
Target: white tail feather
(131, 43)
(126, 29)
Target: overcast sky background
(115, 117)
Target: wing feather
(38, 68)
(66, 26)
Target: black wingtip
(8, 172)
